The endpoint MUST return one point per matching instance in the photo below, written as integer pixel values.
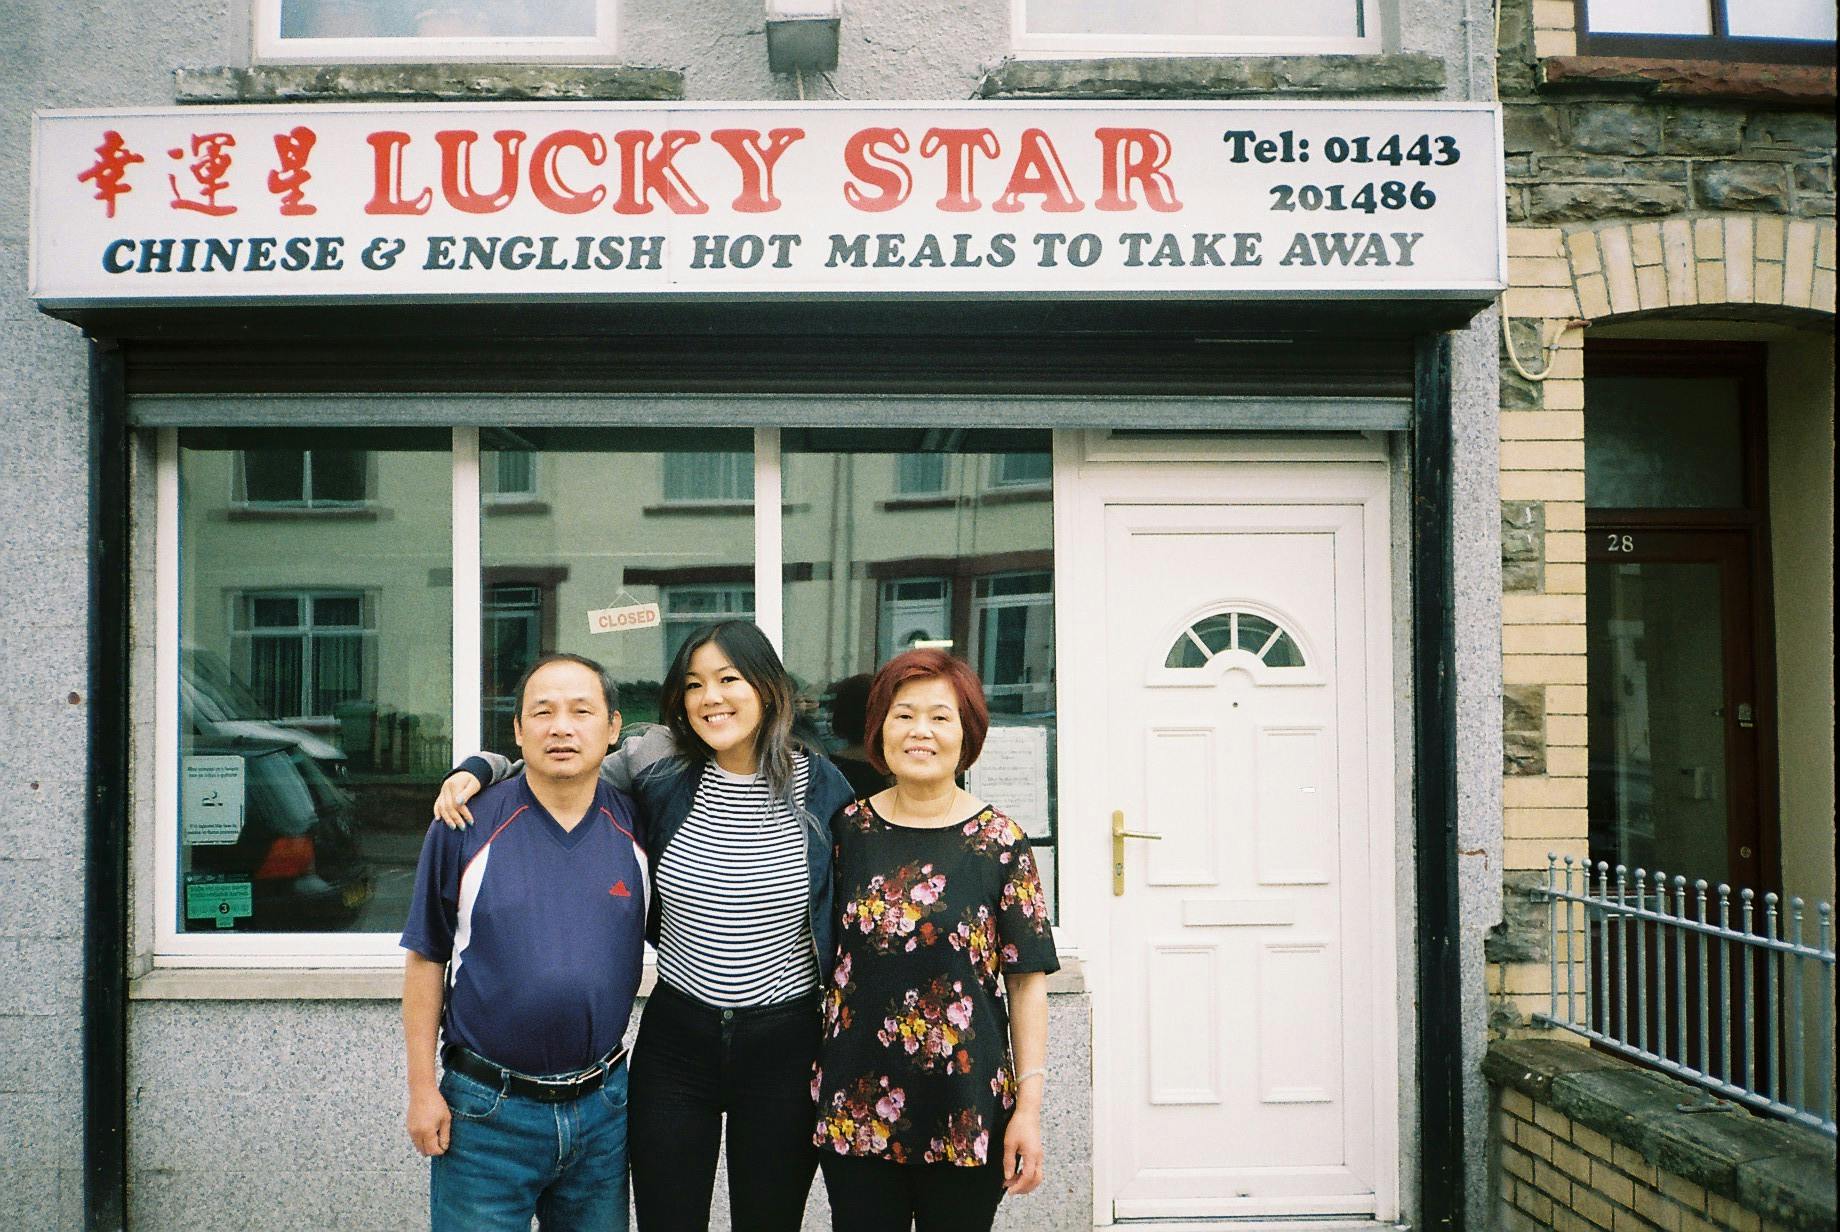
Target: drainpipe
(1434, 789)
(105, 857)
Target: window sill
(1215, 76)
(675, 509)
(1708, 79)
(1019, 494)
(518, 507)
(378, 984)
(267, 984)
(672, 509)
(350, 83)
(284, 513)
(906, 504)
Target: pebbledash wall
(273, 1099)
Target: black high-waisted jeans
(691, 1064)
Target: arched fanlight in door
(1222, 632)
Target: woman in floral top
(930, 1074)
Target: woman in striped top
(733, 816)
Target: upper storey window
(1780, 31)
(1194, 27)
(349, 31)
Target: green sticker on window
(226, 901)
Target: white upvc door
(1246, 1038)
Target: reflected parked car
(297, 848)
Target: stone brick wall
(1620, 201)
(1575, 156)
(1586, 1143)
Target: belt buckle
(567, 1087)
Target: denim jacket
(664, 782)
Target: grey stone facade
(1598, 150)
(286, 1113)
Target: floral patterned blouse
(915, 1063)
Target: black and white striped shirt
(734, 925)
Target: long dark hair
(748, 649)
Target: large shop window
(1793, 31)
(619, 519)
(1182, 27)
(900, 539)
(293, 31)
(328, 669)
(314, 593)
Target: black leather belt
(557, 1090)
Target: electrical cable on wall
(1546, 347)
(1507, 322)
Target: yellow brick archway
(1733, 259)
(1561, 280)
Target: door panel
(1676, 713)
(1676, 725)
(1236, 701)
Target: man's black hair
(609, 689)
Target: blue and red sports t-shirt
(542, 929)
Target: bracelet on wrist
(1037, 1072)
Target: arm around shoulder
(624, 765)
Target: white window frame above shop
(1731, 30)
(272, 48)
(309, 633)
(922, 474)
(736, 601)
(493, 488)
(1029, 42)
(307, 497)
(707, 478)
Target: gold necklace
(915, 820)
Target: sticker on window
(225, 901)
(211, 805)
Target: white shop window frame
(348, 951)
(1048, 46)
(177, 950)
(271, 48)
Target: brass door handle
(1119, 835)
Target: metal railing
(1663, 977)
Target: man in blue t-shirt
(524, 947)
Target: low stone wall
(1586, 1142)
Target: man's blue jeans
(509, 1158)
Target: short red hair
(927, 664)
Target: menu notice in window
(1012, 773)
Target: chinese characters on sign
(348, 202)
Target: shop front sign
(532, 202)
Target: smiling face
(562, 727)
(723, 708)
(923, 736)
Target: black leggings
(873, 1195)
(691, 1064)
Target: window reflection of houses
(303, 578)
(316, 593)
(323, 576)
